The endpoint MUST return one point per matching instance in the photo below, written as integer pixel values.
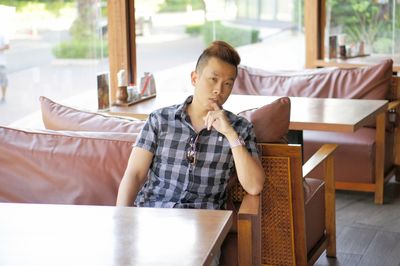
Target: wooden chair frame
(284, 215)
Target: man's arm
(134, 177)
(4, 47)
(249, 170)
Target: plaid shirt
(175, 182)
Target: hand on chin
(213, 105)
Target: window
(373, 26)
(56, 49)
(170, 35)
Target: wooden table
(344, 115)
(34, 234)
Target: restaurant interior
(318, 79)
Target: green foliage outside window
(194, 30)
(233, 34)
(367, 21)
(85, 30)
(180, 5)
(84, 49)
(53, 6)
(85, 41)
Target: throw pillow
(270, 122)
(57, 167)
(60, 117)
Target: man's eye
(214, 79)
(228, 84)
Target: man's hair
(220, 50)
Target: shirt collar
(181, 110)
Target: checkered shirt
(175, 182)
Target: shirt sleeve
(147, 138)
(249, 137)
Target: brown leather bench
(355, 157)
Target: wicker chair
(274, 228)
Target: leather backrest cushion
(60, 117)
(371, 82)
(270, 122)
(57, 167)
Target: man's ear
(193, 77)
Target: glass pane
(268, 10)
(285, 10)
(56, 49)
(362, 27)
(171, 34)
(396, 22)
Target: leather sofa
(355, 157)
(78, 158)
(52, 167)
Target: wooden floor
(367, 234)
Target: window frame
(121, 42)
(314, 23)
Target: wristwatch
(237, 142)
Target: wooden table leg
(397, 153)
(380, 157)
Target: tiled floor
(367, 234)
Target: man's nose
(217, 89)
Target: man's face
(213, 83)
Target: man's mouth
(213, 100)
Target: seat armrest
(319, 157)
(249, 235)
(250, 206)
(393, 104)
(324, 155)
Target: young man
(186, 153)
(4, 45)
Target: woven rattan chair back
(282, 165)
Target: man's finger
(210, 121)
(206, 120)
(215, 106)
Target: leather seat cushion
(354, 157)
(44, 166)
(271, 121)
(314, 197)
(60, 117)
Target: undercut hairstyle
(220, 50)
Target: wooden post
(314, 23)
(121, 41)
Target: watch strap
(237, 142)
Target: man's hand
(218, 120)
(249, 169)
